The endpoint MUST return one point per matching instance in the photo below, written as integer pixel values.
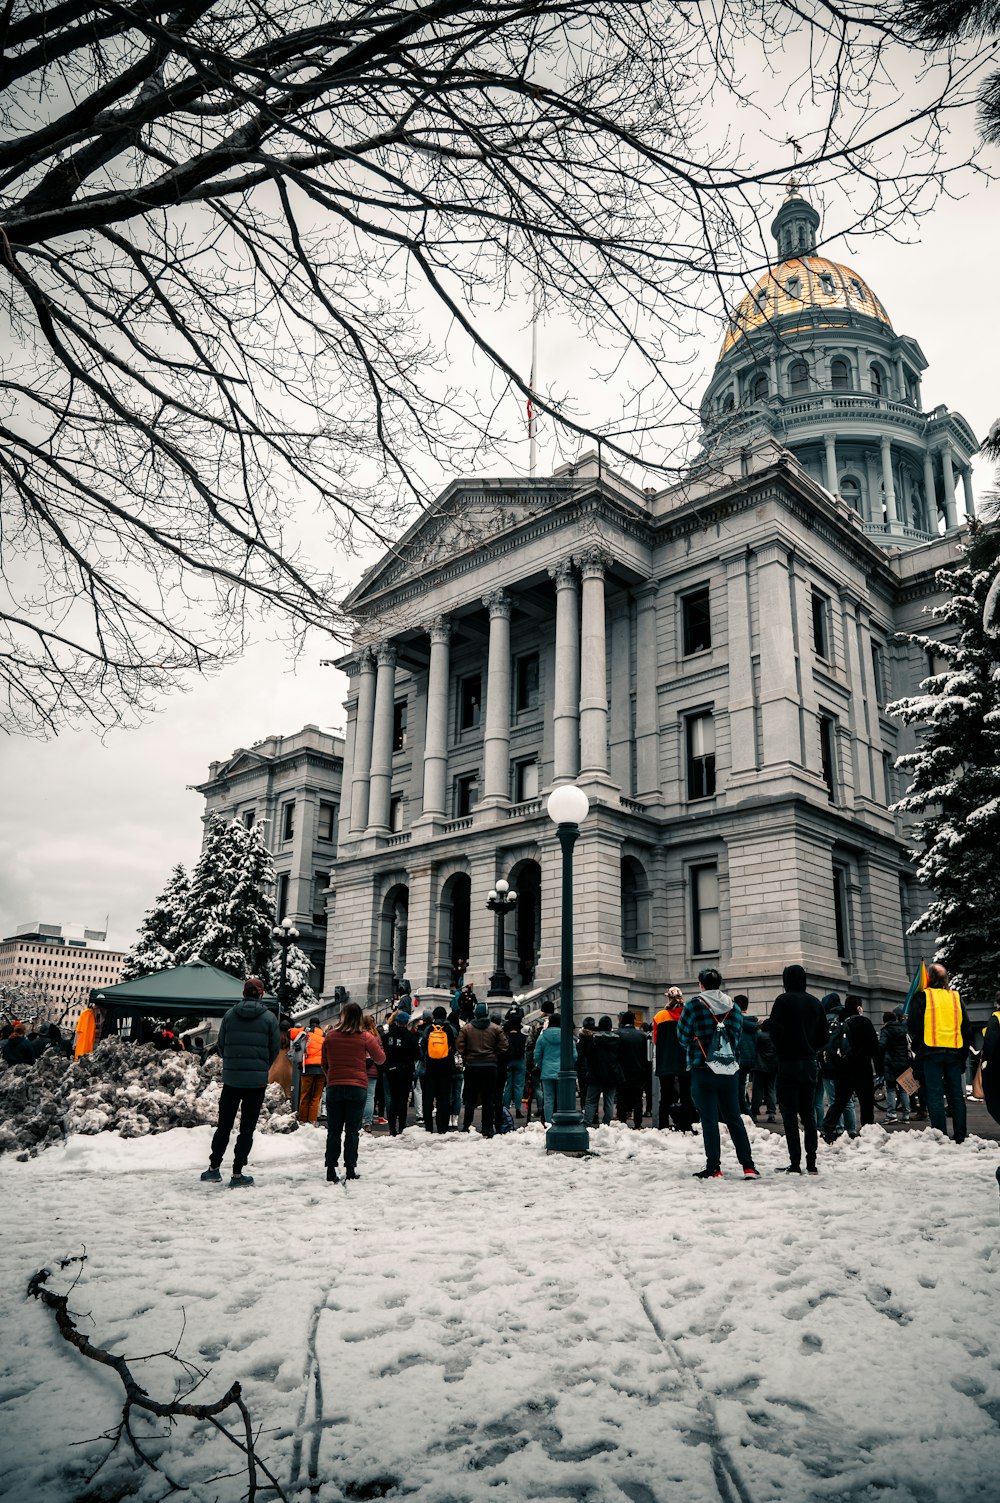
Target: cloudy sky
(89, 830)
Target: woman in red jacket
(347, 1048)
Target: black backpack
(838, 1046)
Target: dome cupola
(794, 226)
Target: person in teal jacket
(548, 1051)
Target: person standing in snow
(765, 1075)
(709, 1030)
(311, 1084)
(516, 1048)
(896, 1060)
(748, 1048)
(635, 1066)
(604, 1073)
(941, 1031)
(347, 1048)
(670, 1064)
(548, 1058)
(437, 1051)
(248, 1042)
(798, 1031)
(401, 1046)
(855, 1074)
(480, 1044)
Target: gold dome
(799, 286)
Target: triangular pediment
(241, 761)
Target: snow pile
(126, 1088)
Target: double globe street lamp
(500, 901)
(284, 935)
(568, 806)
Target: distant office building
(289, 786)
(58, 964)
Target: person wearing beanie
(401, 1052)
(798, 1028)
(249, 1042)
(855, 1074)
(481, 1044)
(313, 1080)
(517, 1044)
(437, 1054)
(670, 1065)
(826, 1085)
(635, 1067)
(604, 1073)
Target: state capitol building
(710, 662)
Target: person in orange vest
(941, 1033)
(86, 1032)
(313, 1076)
(295, 1032)
(670, 1064)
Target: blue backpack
(507, 1124)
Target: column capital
(439, 629)
(593, 562)
(498, 604)
(646, 592)
(773, 553)
(385, 654)
(563, 573)
(363, 661)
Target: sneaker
(891, 1117)
(772, 1117)
(708, 1174)
(213, 1175)
(750, 1172)
(791, 1169)
(905, 1117)
(419, 1121)
(382, 1121)
(241, 1182)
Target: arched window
(760, 387)
(798, 378)
(850, 490)
(728, 402)
(636, 912)
(877, 379)
(840, 375)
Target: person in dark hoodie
(798, 1029)
(249, 1042)
(671, 1065)
(635, 1065)
(604, 1073)
(714, 1086)
(856, 1075)
(748, 1048)
(401, 1050)
(896, 1061)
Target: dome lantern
(794, 226)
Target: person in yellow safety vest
(313, 1076)
(86, 1032)
(941, 1032)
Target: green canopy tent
(193, 990)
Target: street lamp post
(567, 807)
(284, 935)
(500, 902)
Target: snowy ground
(475, 1321)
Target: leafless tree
(245, 247)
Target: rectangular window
(840, 911)
(887, 777)
(281, 900)
(288, 820)
(249, 818)
(466, 794)
(526, 682)
(820, 624)
(696, 621)
(321, 881)
(396, 814)
(700, 731)
(327, 821)
(470, 695)
(878, 673)
(828, 753)
(399, 725)
(525, 781)
(705, 909)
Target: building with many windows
(710, 662)
(291, 787)
(57, 965)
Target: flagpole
(532, 420)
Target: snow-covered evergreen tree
(298, 992)
(955, 774)
(159, 932)
(229, 913)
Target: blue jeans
(594, 1093)
(847, 1118)
(370, 1103)
(456, 1093)
(892, 1091)
(944, 1076)
(717, 1097)
(514, 1089)
(549, 1096)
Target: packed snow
(476, 1320)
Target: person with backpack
(709, 1031)
(400, 1045)
(635, 1066)
(941, 1032)
(748, 1048)
(480, 1045)
(313, 1080)
(765, 1075)
(248, 1042)
(437, 1052)
(826, 1086)
(854, 1051)
(896, 1061)
(670, 1064)
(798, 1029)
(517, 1045)
(604, 1073)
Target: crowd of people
(815, 1060)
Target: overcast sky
(89, 830)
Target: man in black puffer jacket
(249, 1042)
(798, 1030)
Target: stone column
(890, 490)
(862, 704)
(779, 695)
(436, 733)
(830, 444)
(566, 696)
(950, 505)
(593, 667)
(930, 492)
(496, 739)
(347, 780)
(621, 697)
(364, 725)
(900, 380)
(970, 504)
(742, 733)
(647, 734)
(381, 774)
